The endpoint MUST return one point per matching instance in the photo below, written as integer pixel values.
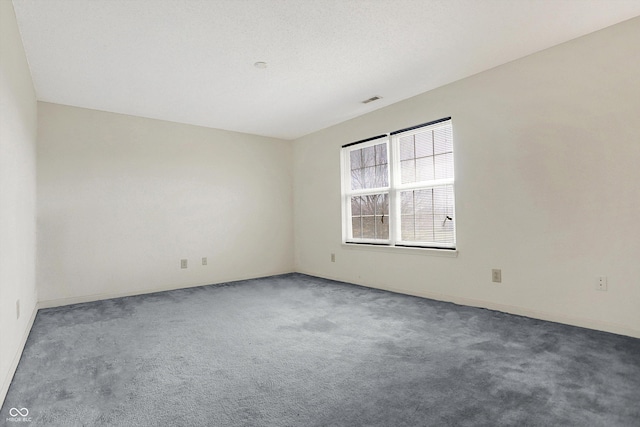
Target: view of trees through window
(370, 216)
(370, 169)
(407, 197)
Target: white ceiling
(191, 61)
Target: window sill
(448, 253)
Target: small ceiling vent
(373, 98)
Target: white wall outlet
(601, 284)
(17, 309)
(183, 263)
(204, 260)
(333, 257)
(496, 275)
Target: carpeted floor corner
(296, 350)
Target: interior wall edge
(16, 358)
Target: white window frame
(393, 190)
(348, 193)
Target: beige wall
(17, 196)
(548, 188)
(122, 199)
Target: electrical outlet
(204, 260)
(601, 284)
(183, 263)
(496, 275)
(333, 257)
(17, 309)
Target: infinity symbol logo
(14, 412)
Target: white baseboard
(96, 297)
(520, 311)
(58, 302)
(16, 358)
(511, 309)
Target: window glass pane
(382, 206)
(356, 179)
(356, 216)
(423, 200)
(382, 227)
(425, 169)
(407, 232)
(443, 200)
(356, 227)
(382, 217)
(368, 227)
(443, 140)
(424, 228)
(369, 167)
(417, 161)
(382, 176)
(381, 154)
(408, 171)
(368, 156)
(406, 148)
(370, 216)
(424, 144)
(427, 215)
(406, 203)
(368, 205)
(443, 166)
(355, 159)
(407, 216)
(369, 180)
(355, 206)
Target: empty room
(320, 212)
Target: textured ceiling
(191, 61)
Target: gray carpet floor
(296, 350)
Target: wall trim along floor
(511, 309)
(541, 315)
(58, 302)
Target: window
(398, 188)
